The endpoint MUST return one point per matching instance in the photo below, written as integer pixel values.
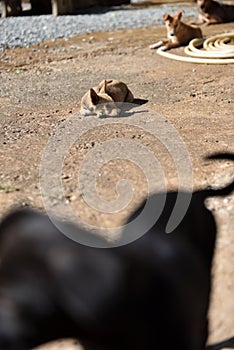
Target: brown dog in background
(213, 12)
(178, 32)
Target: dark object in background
(56, 7)
(11, 8)
(214, 12)
(41, 7)
(150, 294)
(61, 7)
(14, 7)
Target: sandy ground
(41, 88)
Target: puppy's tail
(129, 97)
(229, 188)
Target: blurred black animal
(150, 294)
(214, 12)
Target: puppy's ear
(179, 14)
(103, 88)
(94, 96)
(166, 17)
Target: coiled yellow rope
(218, 49)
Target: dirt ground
(41, 88)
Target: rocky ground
(40, 89)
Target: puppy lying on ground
(178, 32)
(213, 12)
(101, 99)
(150, 294)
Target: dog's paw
(156, 45)
(164, 48)
(85, 112)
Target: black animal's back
(150, 294)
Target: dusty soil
(41, 88)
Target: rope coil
(218, 49)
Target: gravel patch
(30, 30)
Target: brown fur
(102, 99)
(178, 32)
(213, 12)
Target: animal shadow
(126, 109)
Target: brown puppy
(213, 12)
(101, 100)
(178, 32)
